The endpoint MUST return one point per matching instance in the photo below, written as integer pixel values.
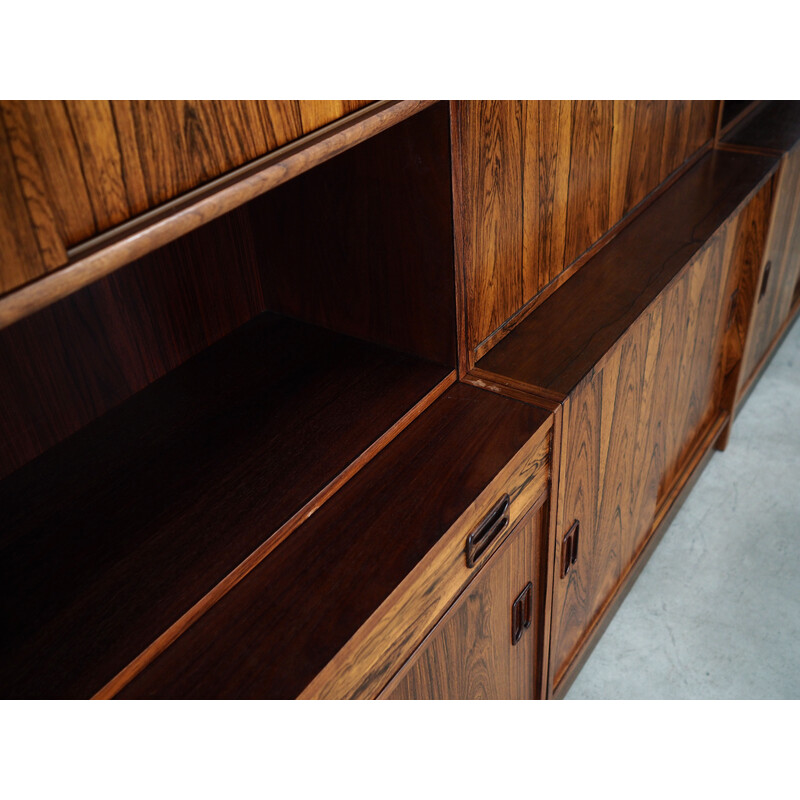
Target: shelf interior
(313, 593)
(114, 533)
(775, 127)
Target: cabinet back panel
(104, 161)
(363, 244)
(570, 170)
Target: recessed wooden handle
(765, 279)
(521, 613)
(569, 548)
(494, 522)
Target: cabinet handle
(521, 613)
(494, 522)
(569, 548)
(765, 279)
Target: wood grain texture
(491, 167)
(361, 245)
(563, 339)
(147, 509)
(131, 155)
(585, 165)
(667, 511)
(548, 138)
(632, 425)
(783, 256)
(293, 613)
(50, 130)
(752, 226)
(589, 176)
(469, 655)
(29, 240)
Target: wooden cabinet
(631, 350)
(630, 431)
(264, 386)
(486, 645)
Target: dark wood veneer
(279, 627)
(539, 183)
(774, 127)
(361, 244)
(131, 240)
(563, 339)
(109, 537)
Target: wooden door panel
(749, 243)
(469, 655)
(631, 427)
(782, 262)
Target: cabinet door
(780, 270)
(631, 429)
(471, 654)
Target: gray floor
(716, 611)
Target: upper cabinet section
(70, 170)
(538, 183)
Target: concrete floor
(715, 614)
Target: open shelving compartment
(169, 425)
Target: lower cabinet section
(486, 646)
(631, 430)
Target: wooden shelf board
(774, 127)
(115, 533)
(274, 632)
(565, 338)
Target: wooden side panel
(782, 260)
(631, 427)
(470, 655)
(73, 169)
(545, 180)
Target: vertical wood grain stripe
(135, 239)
